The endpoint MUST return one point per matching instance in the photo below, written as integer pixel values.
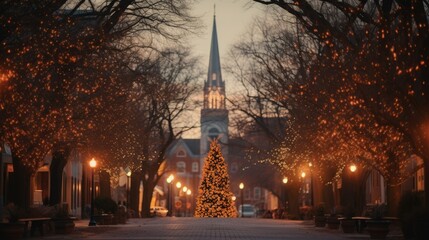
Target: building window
(195, 167)
(181, 167)
(257, 193)
(247, 194)
(181, 153)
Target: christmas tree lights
(214, 195)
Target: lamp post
(128, 187)
(310, 165)
(241, 186)
(285, 181)
(353, 169)
(184, 189)
(92, 164)
(178, 186)
(169, 180)
(188, 193)
(303, 188)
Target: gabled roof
(192, 146)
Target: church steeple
(214, 87)
(214, 115)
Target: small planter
(319, 221)
(348, 225)
(12, 230)
(104, 219)
(378, 229)
(333, 222)
(63, 226)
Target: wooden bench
(360, 223)
(36, 223)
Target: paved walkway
(208, 229)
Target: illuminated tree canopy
(352, 76)
(67, 67)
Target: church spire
(214, 87)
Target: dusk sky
(233, 19)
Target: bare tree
(163, 87)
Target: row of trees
(100, 77)
(350, 77)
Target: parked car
(158, 211)
(248, 210)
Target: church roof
(193, 145)
(214, 61)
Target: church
(185, 158)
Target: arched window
(180, 167)
(213, 133)
(195, 167)
(181, 153)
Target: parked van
(248, 210)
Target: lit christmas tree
(214, 196)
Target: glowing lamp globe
(353, 168)
(92, 163)
(285, 180)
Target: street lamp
(184, 190)
(241, 186)
(178, 185)
(285, 181)
(92, 164)
(169, 180)
(303, 189)
(310, 165)
(128, 187)
(356, 199)
(188, 193)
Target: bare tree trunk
(349, 191)
(148, 187)
(393, 194)
(59, 161)
(292, 191)
(21, 183)
(135, 192)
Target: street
(207, 228)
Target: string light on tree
(214, 195)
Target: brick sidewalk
(210, 229)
